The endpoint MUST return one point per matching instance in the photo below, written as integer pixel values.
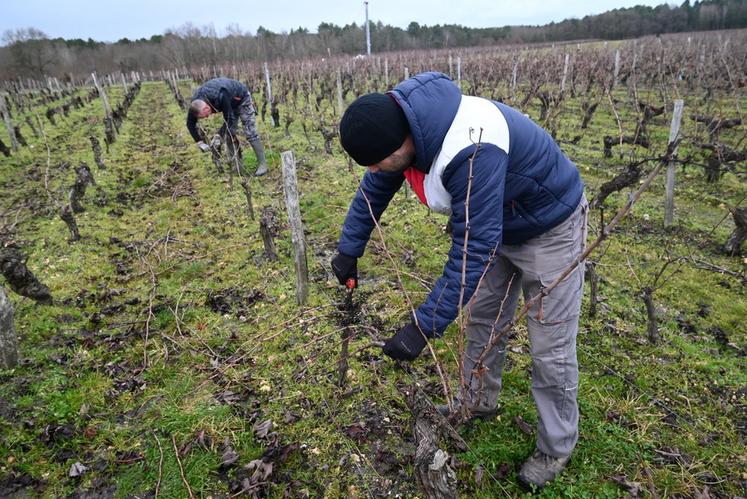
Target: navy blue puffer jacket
(522, 184)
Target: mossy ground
(105, 383)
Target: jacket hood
(430, 102)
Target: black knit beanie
(372, 128)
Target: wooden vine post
(107, 107)
(565, 73)
(459, 72)
(674, 131)
(8, 341)
(340, 104)
(290, 186)
(8, 123)
(268, 91)
(111, 129)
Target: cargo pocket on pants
(564, 300)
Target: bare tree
(33, 54)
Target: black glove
(406, 344)
(345, 267)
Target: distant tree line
(28, 52)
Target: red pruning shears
(351, 283)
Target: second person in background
(232, 98)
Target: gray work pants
(248, 118)
(552, 325)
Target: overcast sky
(112, 20)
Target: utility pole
(368, 32)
